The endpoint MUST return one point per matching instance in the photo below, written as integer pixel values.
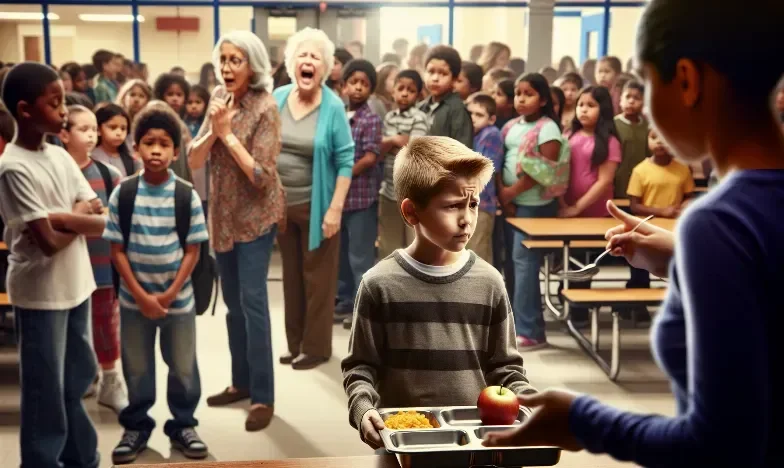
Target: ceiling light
(21, 16)
(110, 18)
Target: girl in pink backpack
(536, 133)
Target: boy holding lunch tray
(432, 323)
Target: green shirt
(634, 148)
(549, 132)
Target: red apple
(498, 406)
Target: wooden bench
(596, 298)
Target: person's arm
(550, 150)
(199, 150)
(719, 274)
(123, 267)
(369, 143)
(505, 364)
(361, 366)
(77, 223)
(343, 154)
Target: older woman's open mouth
(307, 74)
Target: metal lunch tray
(456, 441)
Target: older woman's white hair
(258, 59)
(321, 40)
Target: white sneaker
(112, 393)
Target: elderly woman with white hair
(315, 168)
(240, 137)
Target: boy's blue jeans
(57, 366)
(527, 298)
(243, 275)
(358, 233)
(178, 347)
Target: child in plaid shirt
(359, 226)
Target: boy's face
(48, 112)
(480, 117)
(450, 217)
(81, 137)
(175, 97)
(656, 145)
(405, 93)
(605, 75)
(631, 102)
(570, 93)
(462, 86)
(439, 77)
(156, 149)
(357, 88)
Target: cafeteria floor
(310, 411)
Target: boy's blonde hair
(424, 165)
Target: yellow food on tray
(408, 420)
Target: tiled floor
(311, 417)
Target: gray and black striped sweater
(420, 340)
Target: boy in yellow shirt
(659, 186)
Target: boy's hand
(368, 429)
(670, 212)
(96, 206)
(150, 307)
(166, 298)
(83, 207)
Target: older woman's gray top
(295, 163)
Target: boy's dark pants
(56, 365)
(358, 233)
(178, 347)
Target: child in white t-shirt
(48, 207)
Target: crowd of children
(407, 193)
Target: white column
(540, 34)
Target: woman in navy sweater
(718, 334)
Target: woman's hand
(221, 122)
(331, 224)
(649, 248)
(548, 425)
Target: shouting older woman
(241, 139)
(315, 168)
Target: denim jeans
(358, 233)
(527, 299)
(56, 366)
(178, 347)
(243, 274)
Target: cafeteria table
(568, 460)
(568, 230)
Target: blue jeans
(527, 298)
(57, 366)
(358, 233)
(243, 274)
(178, 347)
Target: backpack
(552, 175)
(109, 186)
(205, 275)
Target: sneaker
(131, 445)
(189, 443)
(112, 393)
(529, 344)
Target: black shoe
(347, 322)
(131, 445)
(288, 358)
(189, 443)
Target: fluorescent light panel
(110, 18)
(22, 15)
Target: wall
(623, 31)
(9, 43)
(566, 38)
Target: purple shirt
(488, 143)
(718, 338)
(582, 175)
(366, 129)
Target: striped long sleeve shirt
(421, 340)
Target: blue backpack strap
(183, 194)
(125, 204)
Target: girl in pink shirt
(596, 153)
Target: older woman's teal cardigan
(333, 155)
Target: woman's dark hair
(605, 126)
(281, 76)
(539, 83)
(207, 70)
(508, 88)
(559, 94)
(667, 33)
(166, 81)
(106, 112)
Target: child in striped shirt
(155, 264)
(432, 322)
